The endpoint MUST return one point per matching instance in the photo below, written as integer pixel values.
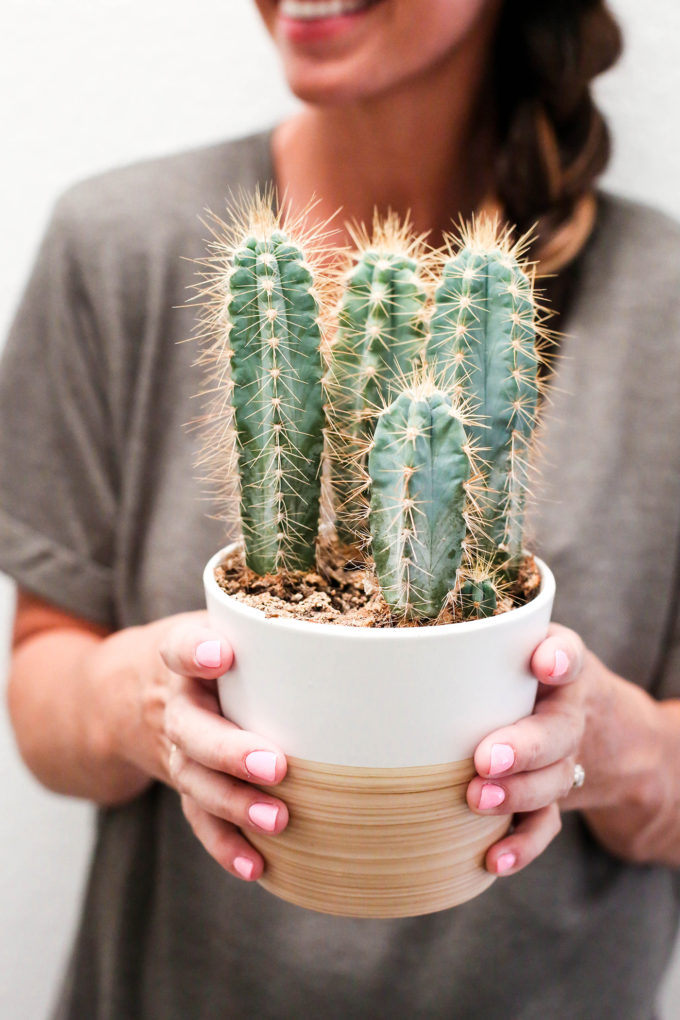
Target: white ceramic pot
(379, 727)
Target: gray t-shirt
(100, 513)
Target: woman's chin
(328, 84)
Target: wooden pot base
(378, 842)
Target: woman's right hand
(209, 760)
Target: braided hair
(554, 140)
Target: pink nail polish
(244, 867)
(502, 759)
(505, 862)
(491, 796)
(209, 654)
(561, 665)
(262, 765)
(264, 816)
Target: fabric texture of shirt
(101, 514)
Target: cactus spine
(419, 466)
(272, 314)
(483, 345)
(380, 335)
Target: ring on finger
(579, 776)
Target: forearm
(631, 800)
(72, 696)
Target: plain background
(88, 84)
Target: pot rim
(504, 620)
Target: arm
(64, 711)
(100, 716)
(628, 743)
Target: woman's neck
(426, 149)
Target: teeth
(313, 10)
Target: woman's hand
(209, 760)
(170, 728)
(624, 740)
(526, 768)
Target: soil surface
(343, 592)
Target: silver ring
(579, 776)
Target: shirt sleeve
(57, 456)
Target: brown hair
(554, 140)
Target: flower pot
(379, 727)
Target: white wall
(87, 85)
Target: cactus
(419, 466)
(271, 341)
(482, 586)
(483, 345)
(380, 336)
(478, 599)
(404, 414)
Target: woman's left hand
(584, 714)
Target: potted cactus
(373, 426)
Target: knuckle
(533, 750)
(647, 799)
(178, 768)
(172, 720)
(167, 646)
(164, 651)
(189, 812)
(224, 754)
(574, 718)
(232, 807)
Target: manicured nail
(244, 867)
(264, 816)
(262, 765)
(491, 796)
(209, 654)
(561, 665)
(502, 759)
(504, 863)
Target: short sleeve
(57, 458)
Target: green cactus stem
(419, 467)
(478, 599)
(483, 346)
(380, 337)
(276, 370)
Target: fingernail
(502, 758)
(244, 867)
(208, 654)
(264, 816)
(491, 796)
(262, 765)
(561, 665)
(504, 863)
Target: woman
(437, 107)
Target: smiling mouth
(319, 10)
